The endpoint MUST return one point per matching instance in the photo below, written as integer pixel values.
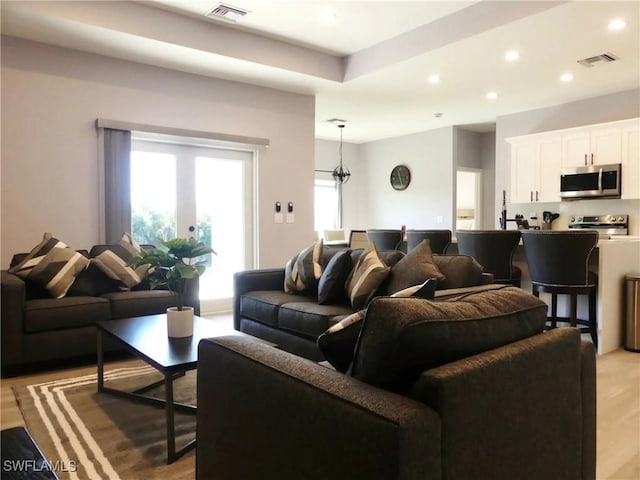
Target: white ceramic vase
(180, 322)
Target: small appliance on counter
(547, 219)
(606, 225)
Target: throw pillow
(57, 270)
(416, 267)
(338, 343)
(304, 269)
(129, 244)
(366, 276)
(404, 337)
(331, 285)
(117, 268)
(36, 255)
(427, 290)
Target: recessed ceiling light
(328, 16)
(492, 96)
(434, 78)
(566, 77)
(617, 24)
(512, 56)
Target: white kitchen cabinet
(630, 173)
(592, 146)
(535, 169)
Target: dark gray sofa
(494, 398)
(294, 321)
(37, 329)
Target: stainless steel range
(604, 224)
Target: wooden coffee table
(146, 338)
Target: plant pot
(180, 322)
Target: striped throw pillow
(304, 269)
(58, 270)
(366, 276)
(36, 255)
(117, 268)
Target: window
(326, 205)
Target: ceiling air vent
(591, 61)
(227, 12)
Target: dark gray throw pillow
(413, 269)
(402, 337)
(331, 289)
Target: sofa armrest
(262, 410)
(252, 280)
(13, 291)
(534, 395)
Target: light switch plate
(291, 217)
(278, 218)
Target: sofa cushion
(303, 270)
(308, 319)
(137, 303)
(401, 337)
(413, 269)
(459, 271)
(331, 287)
(338, 343)
(57, 270)
(263, 305)
(366, 276)
(47, 314)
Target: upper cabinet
(535, 169)
(631, 160)
(537, 159)
(592, 146)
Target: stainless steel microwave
(589, 182)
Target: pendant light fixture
(340, 174)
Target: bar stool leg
(593, 320)
(574, 309)
(554, 310)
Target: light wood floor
(618, 397)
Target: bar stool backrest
(493, 249)
(560, 258)
(439, 240)
(385, 239)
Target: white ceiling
(370, 64)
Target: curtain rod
(141, 127)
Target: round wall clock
(400, 177)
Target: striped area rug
(87, 435)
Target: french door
(196, 191)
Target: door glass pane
(153, 196)
(220, 220)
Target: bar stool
(493, 249)
(559, 264)
(385, 239)
(439, 240)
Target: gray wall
(51, 98)
(618, 106)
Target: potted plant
(171, 266)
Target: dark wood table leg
(100, 360)
(169, 411)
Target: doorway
(205, 192)
(469, 199)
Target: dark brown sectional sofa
(293, 321)
(37, 329)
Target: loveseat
(37, 328)
(463, 389)
(294, 321)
